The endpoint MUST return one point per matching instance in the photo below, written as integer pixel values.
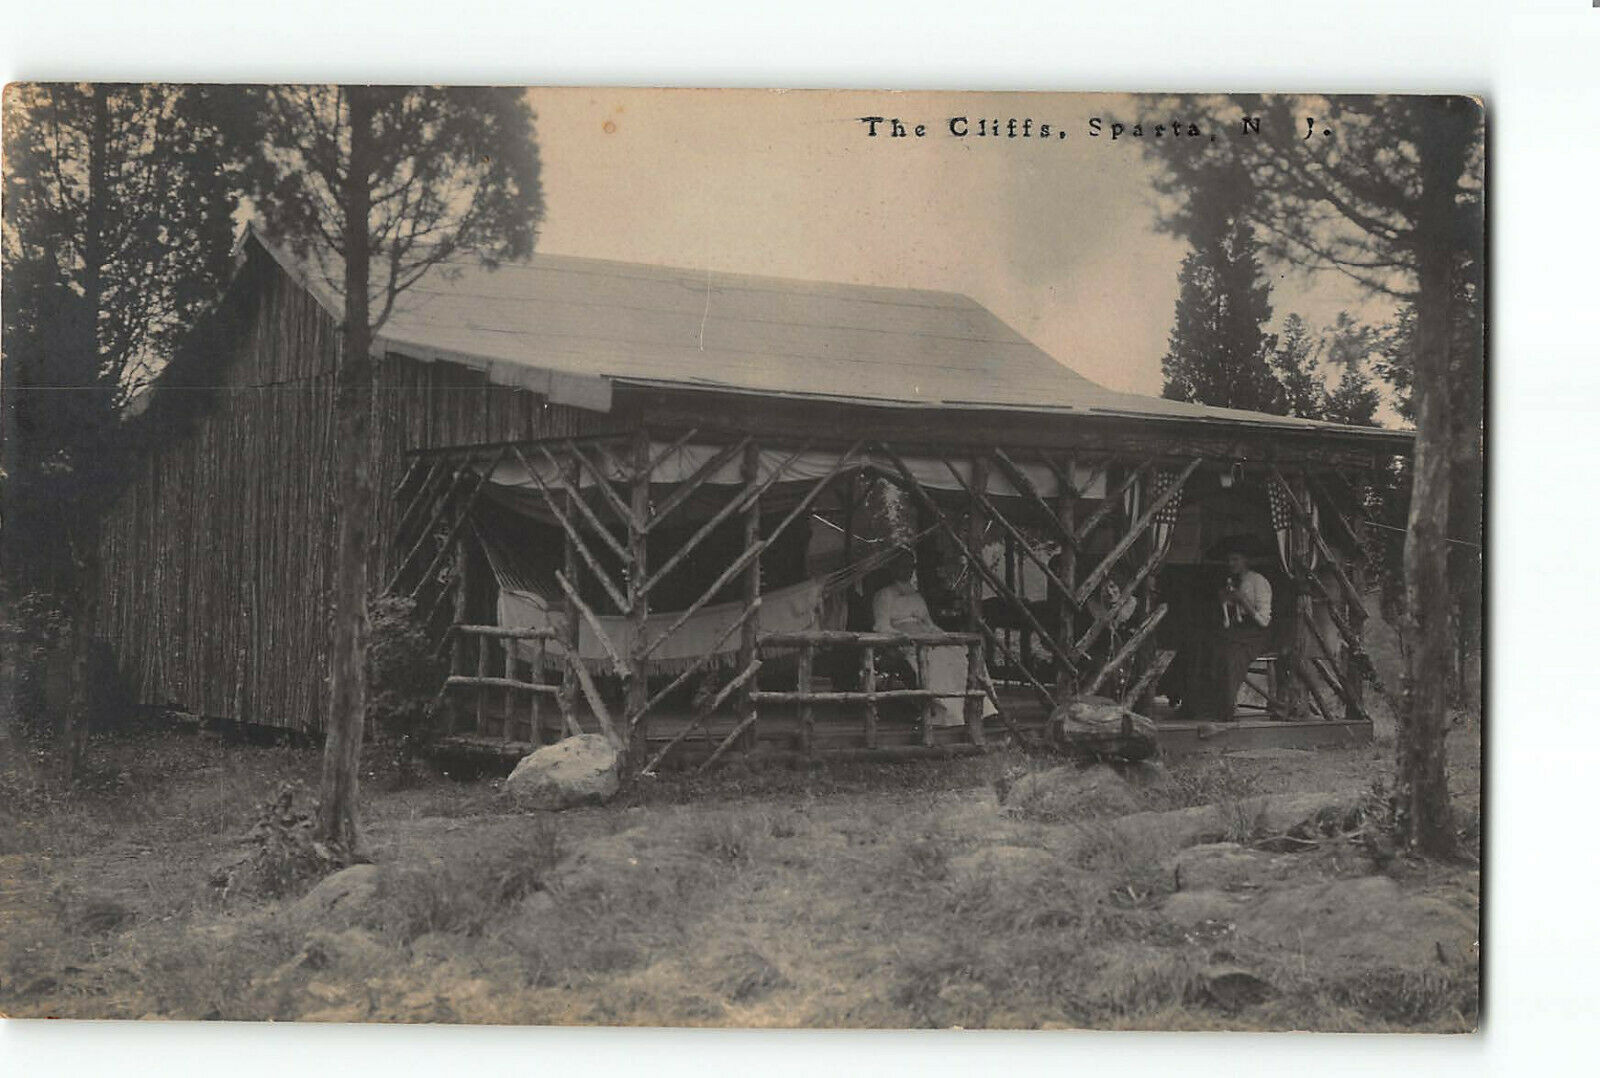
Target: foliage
(453, 170)
(1217, 352)
(118, 226)
(1389, 191)
(1345, 201)
(375, 186)
(37, 631)
(281, 857)
(1303, 364)
(404, 670)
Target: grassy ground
(857, 895)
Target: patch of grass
(1207, 780)
(1127, 863)
(901, 888)
(1134, 980)
(926, 856)
(464, 896)
(744, 974)
(732, 837)
(1410, 998)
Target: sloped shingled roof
(573, 327)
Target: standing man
(1246, 613)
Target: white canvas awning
(683, 462)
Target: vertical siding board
(218, 556)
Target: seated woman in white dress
(898, 607)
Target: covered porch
(692, 592)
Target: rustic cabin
(664, 505)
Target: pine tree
(1218, 349)
(378, 186)
(118, 226)
(1392, 197)
(1302, 363)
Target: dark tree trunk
(83, 536)
(1423, 817)
(337, 818)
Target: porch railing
(485, 666)
(870, 646)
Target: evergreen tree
(1218, 350)
(118, 226)
(1301, 363)
(1389, 192)
(377, 186)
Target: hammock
(816, 603)
(797, 608)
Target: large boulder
(1099, 728)
(581, 770)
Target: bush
(281, 857)
(37, 636)
(403, 671)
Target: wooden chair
(1262, 678)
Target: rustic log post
(1066, 622)
(849, 521)
(458, 642)
(750, 471)
(1145, 591)
(478, 692)
(508, 667)
(1011, 586)
(972, 711)
(569, 640)
(930, 706)
(869, 685)
(1291, 702)
(636, 683)
(808, 722)
(972, 707)
(535, 708)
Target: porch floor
(840, 731)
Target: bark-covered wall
(217, 556)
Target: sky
(1055, 235)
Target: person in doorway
(1246, 613)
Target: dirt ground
(1242, 891)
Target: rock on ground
(1227, 866)
(1002, 862)
(1098, 727)
(1065, 793)
(580, 770)
(1160, 833)
(1370, 919)
(343, 897)
(1366, 921)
